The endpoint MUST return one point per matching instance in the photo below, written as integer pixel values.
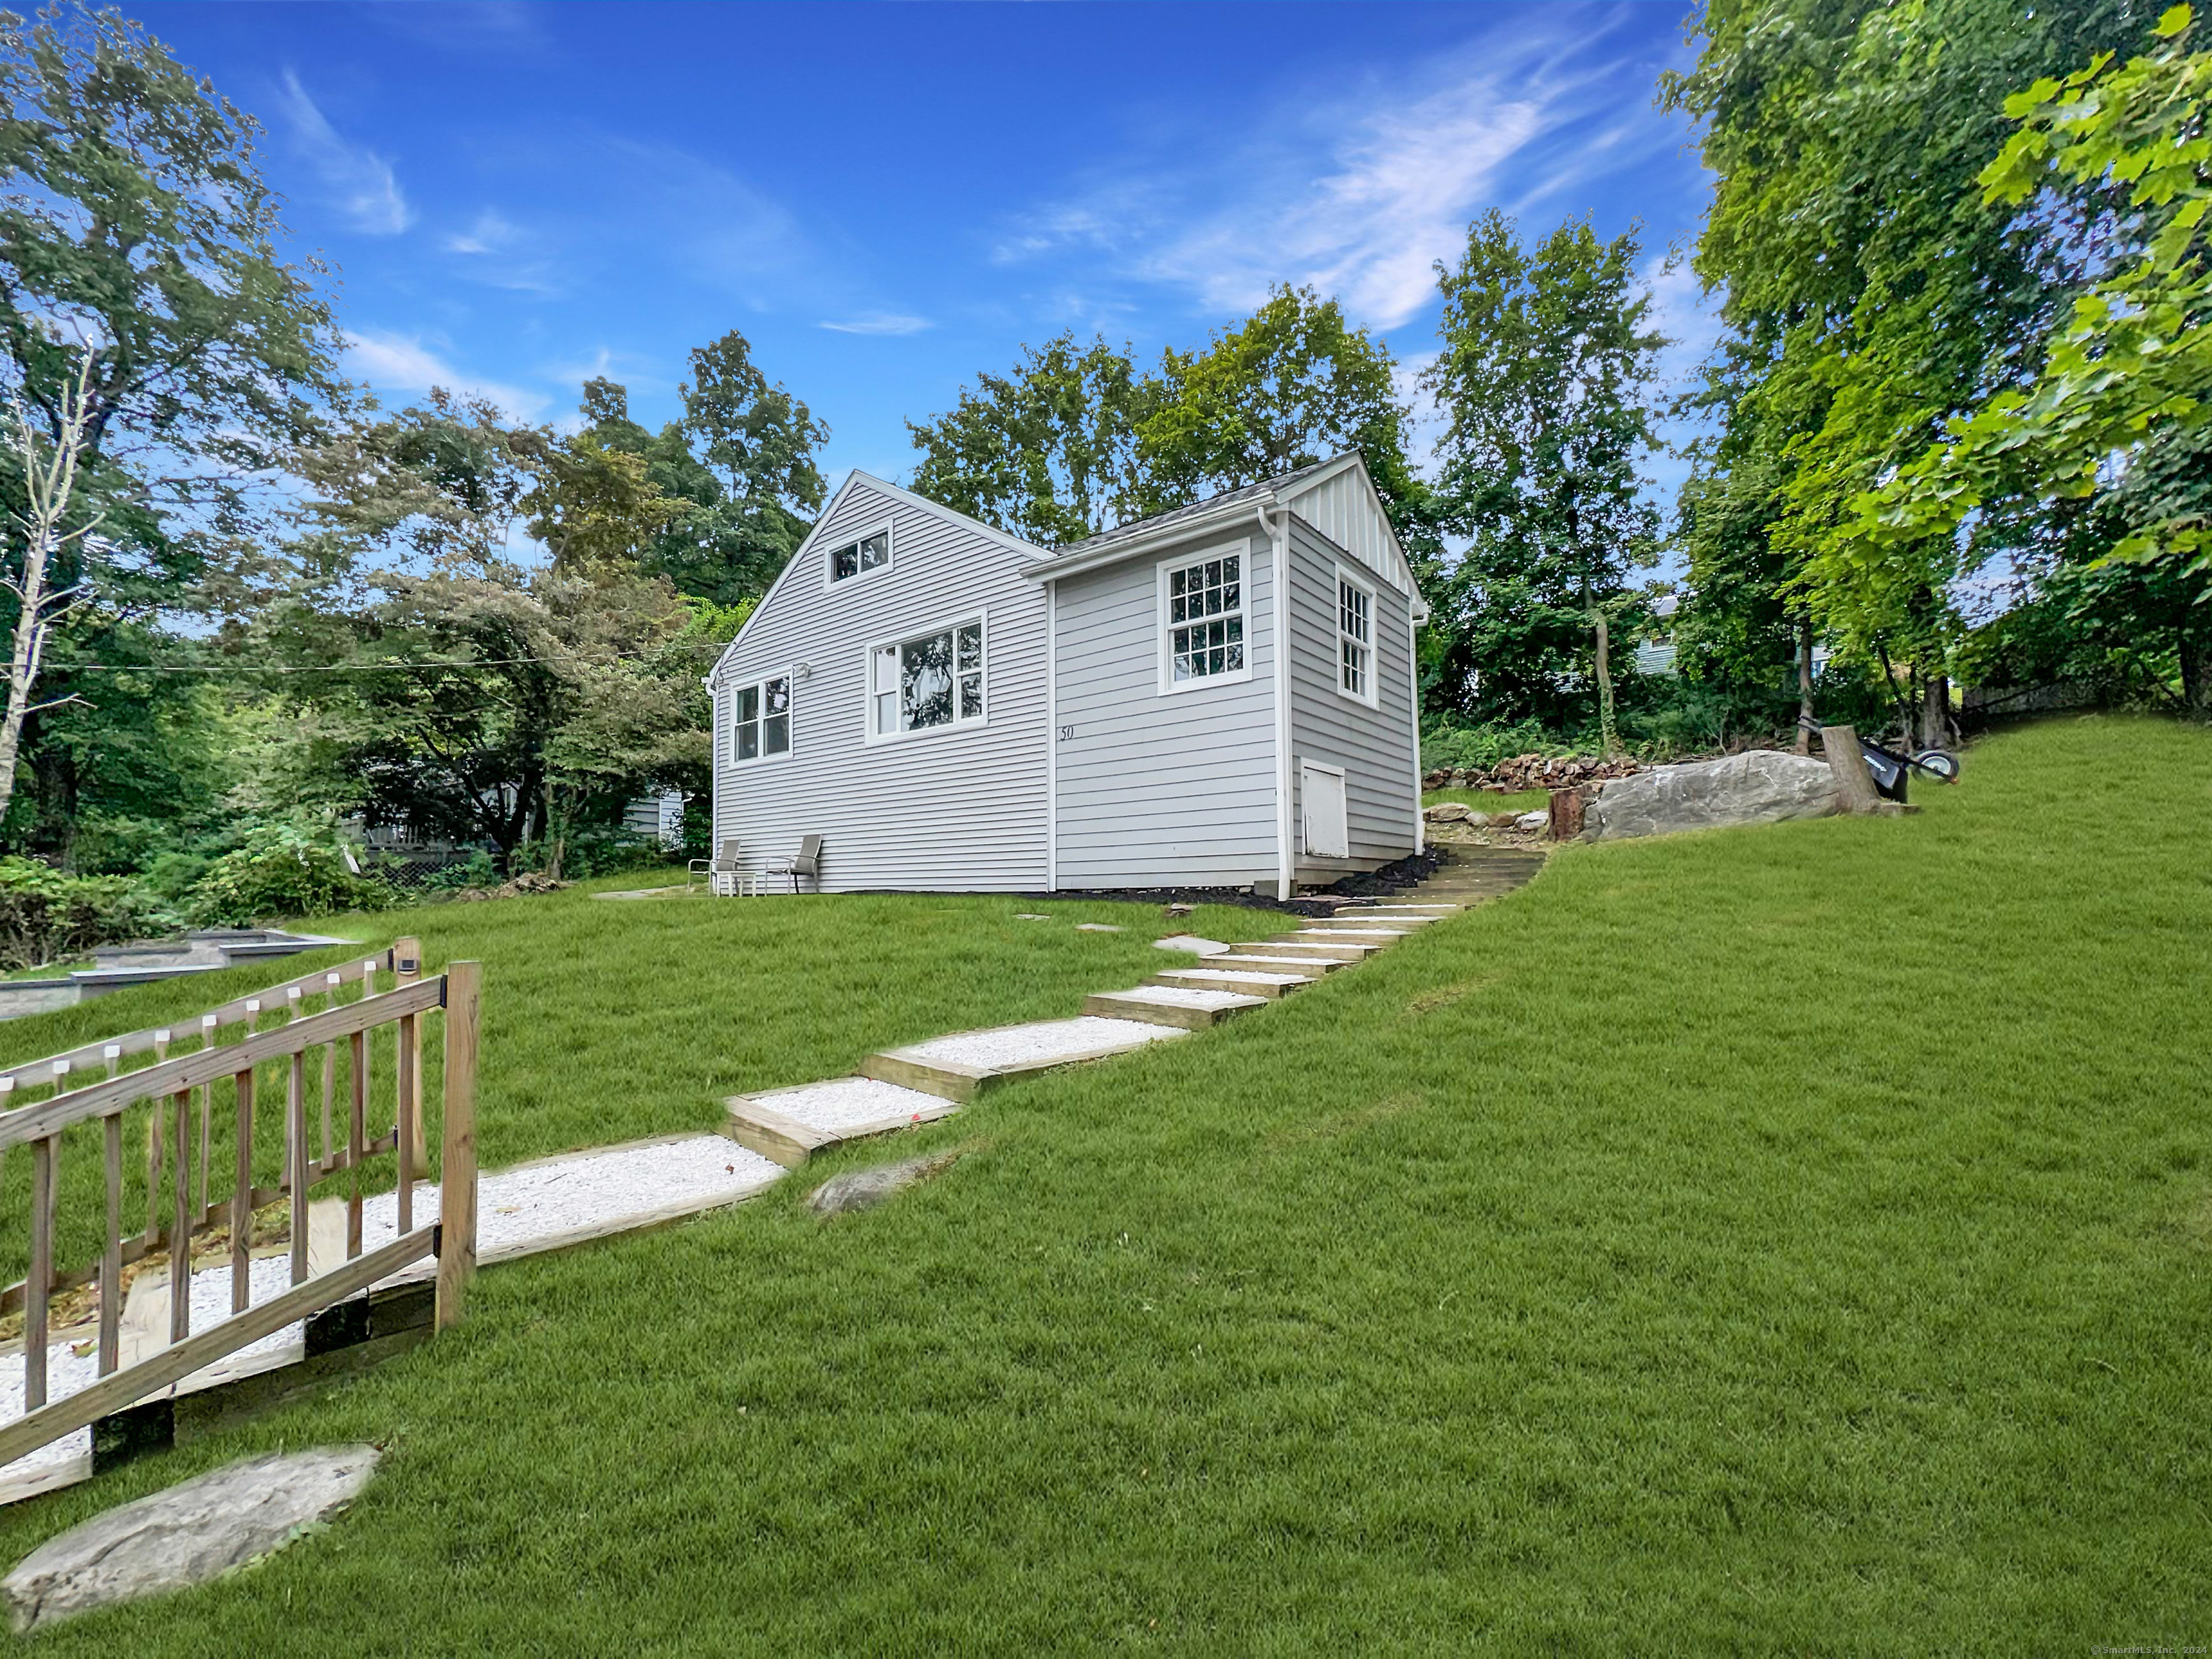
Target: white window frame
(832, 582)
(906, 637)
(761, 684)
(1371, 697)
(1164, 625)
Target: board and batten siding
(958, 809)
(1375, 746)
(1160, 789)
(1343, 509)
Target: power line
(60, 669)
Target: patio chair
(808, 864)
(724, 879)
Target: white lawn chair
(726, 878)
(808, 864)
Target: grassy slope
(1525, 800)
(609, 1021)
(1793, 1239)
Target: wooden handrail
(115, 1094)
(179, 1360)
(33, 1072)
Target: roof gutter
(1075, 563)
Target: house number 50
(1065, 733)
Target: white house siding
(1375, 746)
(1343, 508)
(957, 809)
(1162, 790)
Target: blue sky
(886, 199)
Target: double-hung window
(871, 552)
(760, 724)
(928, 681)
(1203, 614)
(1355, 639)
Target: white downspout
(1052, 736)
(1279, 543)
(1416, 614)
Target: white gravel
(845, 1103)
(1228, 976)
(520, 1206)
(1019, 1046)
(1192, 942)
(267, 1276)
(1355, 935)
(1184, 996)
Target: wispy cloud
(880, 322)
(394, 362)
(360, 182)
(504, 254)
(1361, 191)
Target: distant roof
(1225, 498)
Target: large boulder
(1761, 785)
(195, 1531)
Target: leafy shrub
(597, 851)
(1447, 741)
(283, 869)
(479, 869)
(48, 916)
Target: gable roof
(1284, 490)
(855, 480)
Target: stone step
(1377, 937)
(1192, 1009)
(1271, 962)
(791, 1124)
(1390, 918)
(1346, 950)
(958, 1067)
(1251, 980)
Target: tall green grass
(1784, 1240)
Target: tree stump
(1854, 783)
(1567, 806)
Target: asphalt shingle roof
(1145, 526)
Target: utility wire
(325, 668)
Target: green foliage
(1448, 740)
(1075, 440)
(2131, 359)
(283, 869)
(46, 916)
(479, 869)
(1868, 288)
(1049, 452)
(1544, 379)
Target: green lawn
(1524, 800)
(1786, 1240)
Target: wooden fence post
(1854, 783)
(406, 968)
(457, 1174)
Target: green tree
(2116, 415)
(1544, 380)
(470, 691)
(1868, 289)
(138, 237)
(1049, 452)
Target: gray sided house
(951, 708)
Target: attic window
(872, 552)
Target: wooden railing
(172, 1083)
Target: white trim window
(1202, 619)
(861, 558)
(1355, 639)
(928, 682)
(759, 720)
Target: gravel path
(846, 1104)
(1042, 1043)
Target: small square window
(871, 552)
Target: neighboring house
(658, 816)
(954, 709)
